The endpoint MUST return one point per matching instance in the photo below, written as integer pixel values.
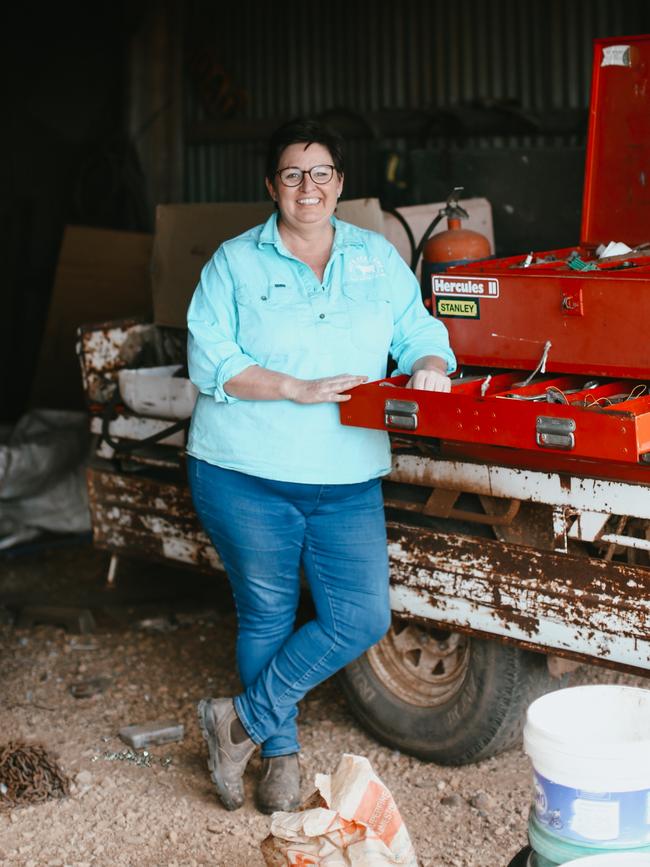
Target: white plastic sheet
(42, 478)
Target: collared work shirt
(256, 303)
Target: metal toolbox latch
(555, 433)
(402, 414)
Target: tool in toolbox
(578, 318)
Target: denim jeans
(264, 531)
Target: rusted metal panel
(441, 504)
(140, 517)
(152, 536)
(574, 605)
(141, 494)
(108, 347)
(105, 348)
(555, 489)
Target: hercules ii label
(465, 287)
(462, 308)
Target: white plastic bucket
(612, 859)
(590, 751)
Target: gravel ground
(165, 813)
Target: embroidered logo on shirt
(365, 268)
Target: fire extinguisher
(454, 246)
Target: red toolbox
(554, 346)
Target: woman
(286, 319)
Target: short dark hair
(303, 129)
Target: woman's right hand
(325, 390)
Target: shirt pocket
(273, 319)
(370, 315)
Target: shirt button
(321, 316)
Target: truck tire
(443, 696)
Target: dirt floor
(163, 639)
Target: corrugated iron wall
(253, 65)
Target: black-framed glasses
(292, 176)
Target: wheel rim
(422, 667)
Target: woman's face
(307, 203)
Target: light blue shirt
(256, 303)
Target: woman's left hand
(429, 380)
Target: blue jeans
(264, 531)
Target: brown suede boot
(227, 758)
(279, 785)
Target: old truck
(518, 505)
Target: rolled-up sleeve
(213, 355)
(416, 332)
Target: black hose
(418, 250)
(400, 219)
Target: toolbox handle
(401, 414)
(555, 433)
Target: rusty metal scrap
(103, 350)
(442, 504)
(576, 605)
(145, 734)
(553, 489)
(573, 605)
(106, 348)
(142, 517)
(29, 775)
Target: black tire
(466, 708)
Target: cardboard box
(187, 236)
(101, 275)
(366, 213)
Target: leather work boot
(279, 785)
(228, 759)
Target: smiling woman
(286, 319)
(305, 180)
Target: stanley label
(461, 308)
(465, 287)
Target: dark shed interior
(115, 107)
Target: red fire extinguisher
(454, 246)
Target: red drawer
(606, 420)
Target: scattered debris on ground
(135, 807)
